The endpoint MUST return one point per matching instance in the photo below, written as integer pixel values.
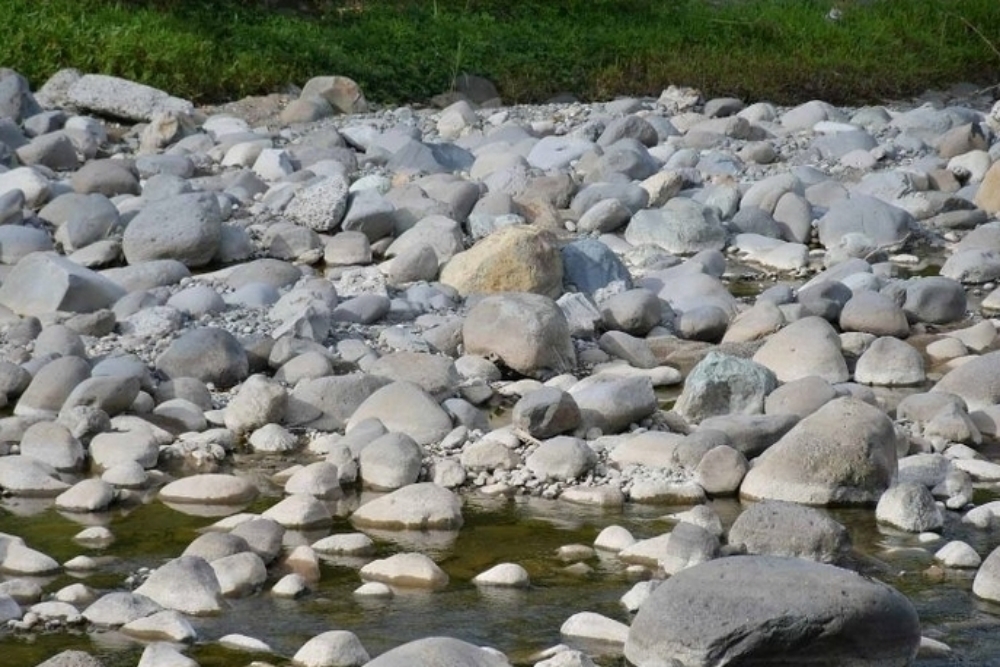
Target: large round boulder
(443, 651)
(768, 610)
(527, 332)
(186, 227)
(809, 346)
(842, 454)
(778, 528)
(207, 353)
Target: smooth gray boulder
(890, 362)
(421, 506)
(842, 454)
(404, 407)
(208, 354)
(43, 283)
(977, 383)
(438, 651)
(883, 223)
(546, 412)
(681, 227)
(390, 462)
(809, 346)
(527, 332)
(722, 384)
(334, 648)
(186, 228)
(935, 300)
(986, 585)
(118, 608)
(24, 476)
(775, 611)
(562, 458)
(612, 403)
(186, 584)
(51, 386)
(779, 528)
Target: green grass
(785, 51)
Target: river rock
(844, 453)
(422, 506)
(263, 536)
(122, 98)
(186, 584)
(207, 353)
(24, 476)
(612, 403)
(890, 362)
(909, 506)
(166, 625)
(406, 570)
(681, 227)
(321, 205)
(209, 489)
(162, 654)
(507, 575)
(438, 651)
(43, 283)
(516, 258)
(590, 626)
(186, 228)
(721, 384)
(239, 574)
(785, 609)
(809, 346)
(986, 585)
(546, 412)
(89, 495)
(404, 407)
(53, 444)
(119, 608)
(779, 528)
(976, 383)
(390, 462)
(958, 554)
(528, 332)
(334, 648)
(562, 458)
(299, 510)
(258, 401)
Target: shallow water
(526, 531)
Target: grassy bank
(408, 50)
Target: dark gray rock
(774, 611)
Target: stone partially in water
(423, 506)
(782, 610)
(186, 584)
(407, 570)
(210, 489)
(779, 528)
(438, 651)
(844, 453)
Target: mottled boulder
(517, 258)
